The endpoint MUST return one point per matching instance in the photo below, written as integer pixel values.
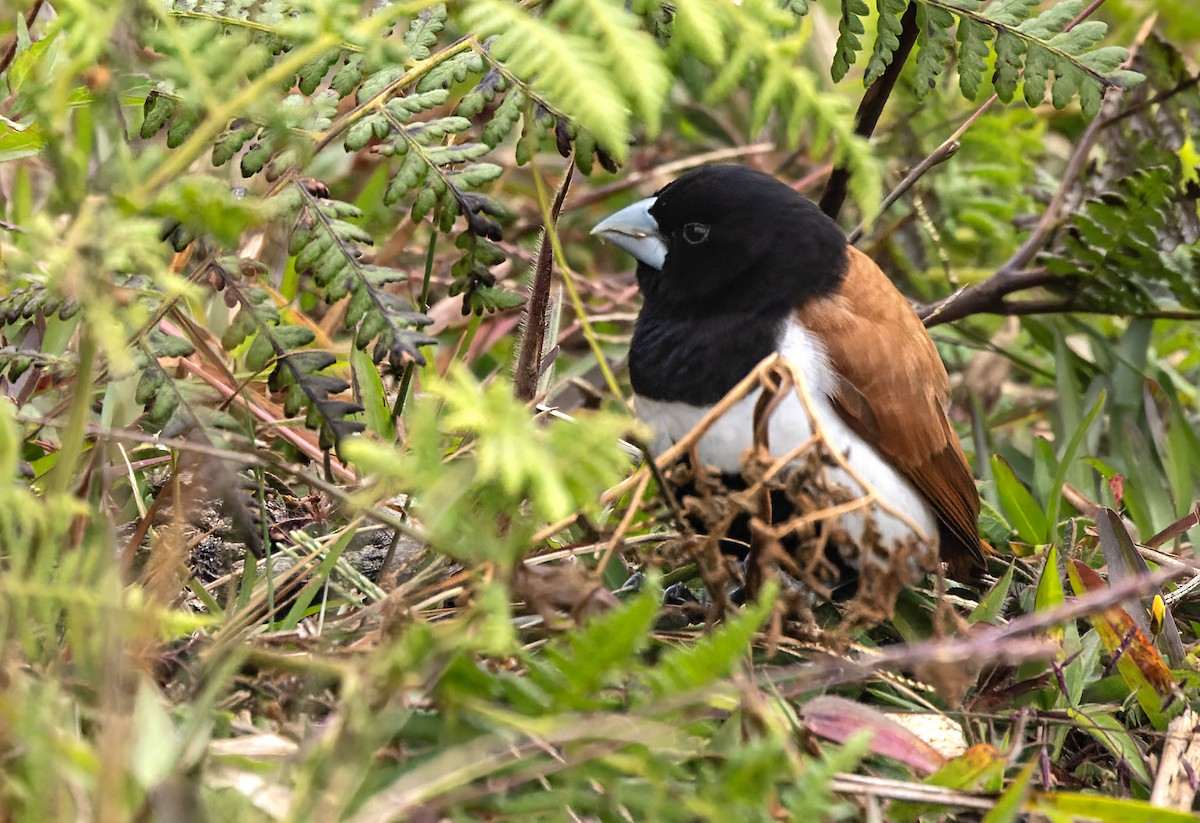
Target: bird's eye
(695, 232)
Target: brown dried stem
(537, 309)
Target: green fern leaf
(494, 298)
(423, 31)
(378, 82)
(1043, 45)
(311, 75)
(348, 76)
(182, 126)
(973, 53)
(255, 158)
(698, 28)
(1119, 248)
(623, 44)
(566, 67)
(360, 134)
(1012, 12)
(1053, 20)
(1067, 83)
(156, 111)
(449, 72)
(425, 202)
(231, 142)
(326, 246)
(935, 44)
(412, 173)
(850, 26)
(1009, 52)
(1038, 62)
(473, 102)
(887, 38)
(504, 118)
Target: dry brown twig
(1013, 643)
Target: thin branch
(938, 156)
(871, 107)
(903, 790)
(986, 297)
(1021, 308)
(1015, 642)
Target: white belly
(722, 446)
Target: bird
(733, 266)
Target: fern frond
(1134, 241)
(1115, 248)
(473, 280)
(34, 300)
(326, 247)
(887, 38)
(763, 47)
(700, 28)
(935, 45)
(445, 173)
(174, 408)
(297, 372)
(1039, 45)
(423, 31)
(572, 58)
(1026, 48)
(850, 27)
(623, 44)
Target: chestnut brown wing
(894, 396)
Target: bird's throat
(697, 360)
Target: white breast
(732, 434)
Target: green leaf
(683, 668)
(371, 393)
(991, 605)
(1009, 51)
(1109, 732)
(993, 526)
(1107, 809)
(887, 38)
(423, 31)
(576, 672)
(1066, 457)
(155, 748)
(1009, 807)
(699, 28)
(571, 69)
(935, 44)
(1018, 504)
(850, 26)
(495, 298)
(1050, 593)
(156, 111)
